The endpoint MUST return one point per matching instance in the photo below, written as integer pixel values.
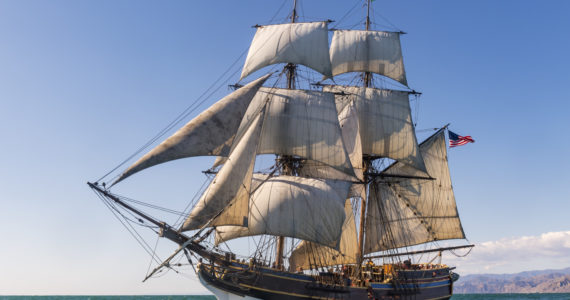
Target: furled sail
(407, 212)
(210, 133)
(302, 123)
(308, 254)
(303, 208)
(298, 43)
(368, 51)
(385, 122)
(230, 189)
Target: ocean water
(511, 296)
(166, 297)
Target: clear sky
(83, 84)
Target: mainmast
(287, 161)
(367, 75)
(367, 163)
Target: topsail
(297, 43)
(385, 123)
(368, 51)
(302, 123)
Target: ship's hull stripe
(410, 285)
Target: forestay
(368, 51)
(303, 208)
(385, 123)
(302, 123)
(407, 212)
(308, 254)
(297, 43)
(210, 133)
(230, 189)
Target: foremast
(287, 162)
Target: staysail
(230, 189)
(297, 43)
(210, 133)
(368, 51)
(406, 212)
(385, 123)
(303, 208)
(302, 123)
(348, 121)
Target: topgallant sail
(351, 188)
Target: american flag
(457, 140)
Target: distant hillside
(546, 281)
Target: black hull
(265, 283)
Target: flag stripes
(458, 140)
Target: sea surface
(166, 297)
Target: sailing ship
(350, 189)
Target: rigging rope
(129, 228)
(181, 214)
(190, 109)
(346, 15)
(154, 252)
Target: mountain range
(544, 281)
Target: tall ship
(326, 178)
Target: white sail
(348, 120)
(385, 123)
(210, 133)
(308, 254)
(302, 123)
(368, 51)
(298, 43)
(230, 189)
(303, 208)
(408, 212)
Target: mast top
(367, 77)
(294, 14)
(368, 16)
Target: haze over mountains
(545, 281)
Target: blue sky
(83, 84)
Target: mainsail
(405, 212)
(308, 254)
(303, 208)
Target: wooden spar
(383, 175)
(294, 15)
(165, 230)
(420, 251)
(279, 252)
(360, 253)
(367, 75)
